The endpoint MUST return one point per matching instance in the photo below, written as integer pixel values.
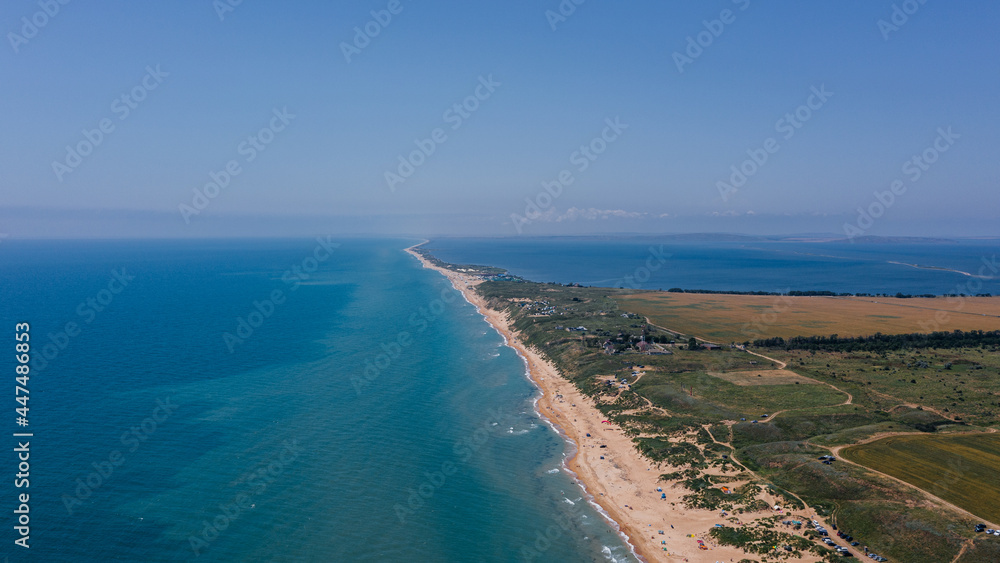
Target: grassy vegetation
(960, 386)
(688, 389)
(982, 551)
(761, 540)
(925, 393)
(741, 499)
(962, 469)
(929, 535)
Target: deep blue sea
(273, 400)
(652, 263)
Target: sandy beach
(612, 470)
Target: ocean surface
(275, 400)
(652, 263)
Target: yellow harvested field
(763, 377)
(737, 318)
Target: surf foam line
(573, 447)
(571, 452)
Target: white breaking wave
(609, 555)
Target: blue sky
(221, 80)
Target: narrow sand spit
(608, 464)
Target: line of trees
(898, 295)
(879, 342)
(730, 292)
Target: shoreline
(615, 477)
(542, 402)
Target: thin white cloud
(589, 214)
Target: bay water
(648, 262)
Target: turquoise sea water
(364, 413)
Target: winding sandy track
(697, 338)
(808, 509)
(781, 364)
(835, 450)
(965, 547)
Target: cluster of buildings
(501, 277)
(539, 308)
(643, 347)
